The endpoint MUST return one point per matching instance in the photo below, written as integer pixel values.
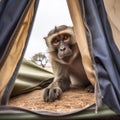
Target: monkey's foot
(90, 89)
(51, 94)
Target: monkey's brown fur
(66, 62)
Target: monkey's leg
(54, 90)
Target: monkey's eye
(55, 42)
(66, 38)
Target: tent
(96, 25)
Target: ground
(69, 101)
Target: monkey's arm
(60, 83)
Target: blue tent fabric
(9, 16)
(105, 52)
(11, 12)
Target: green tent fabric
(31, 76)
(8, 113)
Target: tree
(40, 58)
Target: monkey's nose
(62, 49)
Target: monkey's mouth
(65, 55)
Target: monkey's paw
(51, 94)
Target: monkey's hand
(51, 94)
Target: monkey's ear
(44, 38)
(55, 27)
(55, 30)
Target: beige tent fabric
(81, 39)
(113, 11)
(15, 53)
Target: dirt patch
(69, 101)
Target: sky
(50, 13)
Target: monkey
(66, 63)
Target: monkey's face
(62, 45)
(60, 41)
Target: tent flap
(16, 23)
(106, 54)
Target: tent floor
(69, 101)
